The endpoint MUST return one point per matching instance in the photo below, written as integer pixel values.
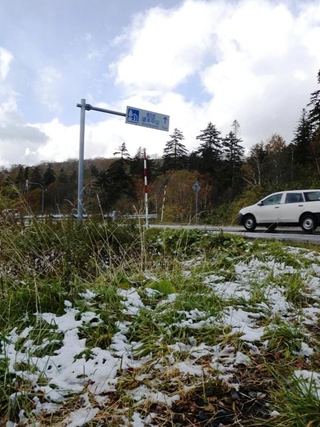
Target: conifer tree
(20, 179)
(210, 150)
(35, 178)
(115, 183)
(314, 112)
(136, 164)
(49, 176)
(233, 158)
(122, 150)
(314, 118)
(302, 140)
(175, 153)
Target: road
(294, 234)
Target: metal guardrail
(59, 217)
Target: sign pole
(81, 157)
(134, 116)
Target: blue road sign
(149, 119)
(196, 187)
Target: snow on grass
(74, 369)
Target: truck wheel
(249, 222)
(308, 223)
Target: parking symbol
(133, 115)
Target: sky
(254, 61)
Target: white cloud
(255, 61)
(166, 46)
(5, 59)
(15, 134)
(46, 87)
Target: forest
(228, 176)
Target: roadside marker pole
(145, 186)
(163, 202)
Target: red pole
(146, 186)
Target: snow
(68, 374)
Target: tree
(175, 154)
(122, 150)
(35, 178)
(179, 204)
(303, 136)
(233, 151)
(115, 183)
(269, 165)
(136, 164)
(314, 112)
(235, 127)
(254, 165)
(233, 159)
(49, 176)
(20, 180)
(210, 150)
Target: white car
(293, 208)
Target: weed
(296, 402)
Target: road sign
(149, 119)
(196, 187)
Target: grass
(201, 328)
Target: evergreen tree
(62, 176)
(26, 173)
(20, 179)
(233, 158)
(194, 161)
(210, 150)
(49, 176)
(233, 151)
(314, 112)
(115, 183)
(302, 140)
(175, 154)
(122, 150)
(136, 164)
(35, 178)
(235, 127)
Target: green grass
(196, 294)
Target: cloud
(15, 135)
(165, 46)
(257, 62)
(47, 88)
(5, 59)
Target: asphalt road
(294, 234)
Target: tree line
(220, 165)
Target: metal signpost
(196, 188)
(134, 116)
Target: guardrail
(16, 217)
